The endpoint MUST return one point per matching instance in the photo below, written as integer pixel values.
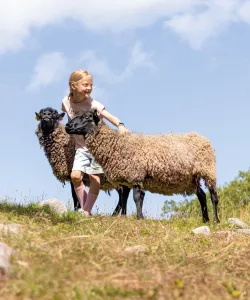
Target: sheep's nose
(68, 128)
(46, 119)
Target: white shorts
(85, 162)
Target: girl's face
(84, 87)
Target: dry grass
(84, 258)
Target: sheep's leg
(142, 198)
(119, 204)
(203, 201)
(74, 196)
(138, 198)
(215, 201)
(123, 199)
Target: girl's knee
(76, 176)
(94, 177)
(95, 180)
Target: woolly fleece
(160, 163)
(59, 148)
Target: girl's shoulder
(65, 100)
(96, 104)
(94, 101)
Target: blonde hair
(75, 77)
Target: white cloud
(194, 20)
(197, 27)
(138, 59)
(19, 18)
(244, 12)
(50, 67)
(99, 67)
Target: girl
(79, 100)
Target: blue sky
(158, 65)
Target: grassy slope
(84, 258)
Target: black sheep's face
(49, 119)
(83, 124)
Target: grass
(73, 257)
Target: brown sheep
(59, 148)
(160, 163)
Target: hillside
(73, 257)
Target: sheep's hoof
(115, 214)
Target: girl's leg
(93, 193)
(76, 177)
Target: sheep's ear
(96, 117)
(37, 117)
(60, 116)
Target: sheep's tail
(210, 178)
(211, 182)
(206, 164)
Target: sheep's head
(49, 119)
(83, 123)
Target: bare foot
(87, 214)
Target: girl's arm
(63, 109)
(115, 121)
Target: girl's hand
(122, 129)
(114, 120)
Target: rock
(56, 205)
(237, 222)
(245, 231)
(5, 253)
(10, 228)
(202, 230)
(136, 250)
